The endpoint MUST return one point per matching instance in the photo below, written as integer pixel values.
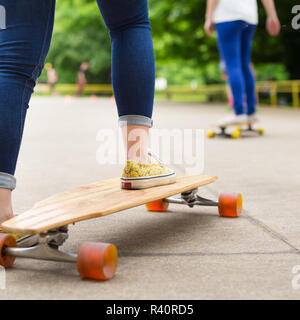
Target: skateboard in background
(237, 130)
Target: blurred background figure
(236, 22)
(224, 77)
(52, 78)
(81, 79)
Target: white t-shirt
(232, 10)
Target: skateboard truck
(43, 246)
(191, 198)
(229, 205)
(94, 260)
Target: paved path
(183, 254)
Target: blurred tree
(80, 35)
(283, 49)
(179, 40)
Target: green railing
(268, 92)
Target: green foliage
(80, 35)
(183, 52)
(179, 73)
(271, 71)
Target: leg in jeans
(229, 42)
(247, 37)
(133, 77)
(24, 44)
(133, 70)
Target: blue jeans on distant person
(24, 45)
(235, 43)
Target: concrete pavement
(185, 253)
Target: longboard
(45, 225)
(239, 130)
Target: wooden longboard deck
(95, 200)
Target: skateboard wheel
(7, 240)
(230, 205)
(210, 134)
(97, 260)
(158, 206)
(261, 131)
(236, 134)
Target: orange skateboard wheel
(7, 240)
(230, 205)
(158, 206)
(97, 260)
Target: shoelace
(155, 157)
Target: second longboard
(239, 130)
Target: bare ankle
(6, 211)
(136, 142)
(6, 216)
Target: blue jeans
(24, 45)
(235, 43)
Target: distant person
(52, 78)
(235, 22)
(81, 79)
(224, 76)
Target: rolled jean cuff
(7, 181)
(135, 120)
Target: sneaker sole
(147, 182)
